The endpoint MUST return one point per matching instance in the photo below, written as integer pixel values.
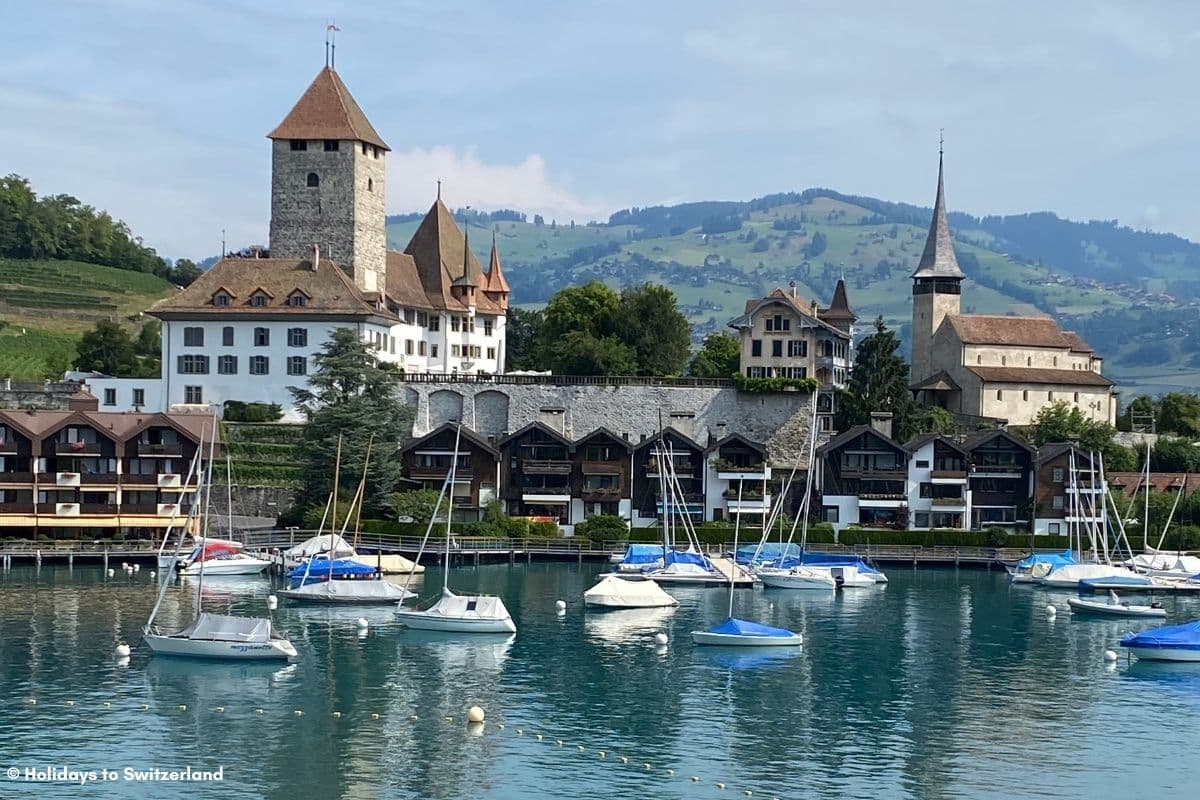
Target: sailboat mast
(337, 477)
(450, 506)
(737, 523)
(1146, 499)
(212, 446)
(229, 493)
(362, 490)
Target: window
(755, 347)
(979, 359)
(1056, 361)
(139, 397)
(110, 397)
(777, 348)
(262, 337)
(193, 337)
(491, 353)
(193, 395)
(454, 351)
(312, 181)
(1003, 361)
(259, 300)
(922, 464)
(410, 316)
(220, 299)
(297, 300)
(1057, 475)
(455, 323)
(921, 519)
(1057, 502)
(487, 327)
(408, 347)
(476, 351)
(1077, 397)
(260, 365)
(421, 348)
(926, 490)
(1053, 528)
(331, 145)
(435, 322)
(364, 148)
(297, 337)
(297, 365)
(375, 150)
(1050, 396)
(193, 365)
(1024, 394)
(1029, 361)
(227, 365)
(798, 348)
(433, 351)
(227, 336)
(999, 394)
(370, 185)
(299, 144)
(422, 319)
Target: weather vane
(331, 30)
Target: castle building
(249, 328)
(999, 367)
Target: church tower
(327, 183)
(937, 286)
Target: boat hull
(790, 580)
(1164, 653)
(745, 640)
(421, 621)
(1091, 607)
(608, 602)
(230, 566)
(274, 650)
(344, 600)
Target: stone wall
(705, 413)
(53, 395)
(263, 502)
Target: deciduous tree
(718, 356)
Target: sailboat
(346, 581)
(214, 635)
(458, 613)
(222, 556)
(735, 632)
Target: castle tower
(327, 183)
(937, 286)
(494, 283)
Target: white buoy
(272, 601)
(363, 624)
(1051, 611)
(660, 638)
(475, 714)
(124, 565)
(137, 567)
(123, 650)
(111, 572)
(561, 605)
(153, 574)
(1110, 655)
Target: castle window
(1004, 362)
(376, 150)
(193, 337)
(1077, 397)
(220, 299)
(755, 348)
(421, 347)
(433, 351)
(227, 365)
(999, 394)
(262, 337)
(227, 336)
(297, 365)
(410, 316)
(1050, 396)
(193, 395)
(364, 147)
(454, 351)
(1056, 361)
(979, 359)
(299, 144)
(455, 323)
(259, 365)
(487, 327)
(331, 145)
(435, 322)
(370, 185)
(491, 353)
(1029, 361)
(193, 365)
(297, 337)
(1025, 395)
(312, 180)
(408, 347)
(139, 397)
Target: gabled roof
(438, 251)
(1076, 343)
(329, 289)
(1051, 451)
(758, 447)
(193, 426)
(938, 259)
(1049, 377)
(940, 381)
(105, 427)
(1131, 482)
(117, 426)
(668, 432)
(980, 438)
(850, 434)
(495, 281)
(922, 439)
(990, 329)
(535, 425)
(794, 303)
(467, 433)
(608, 433)
(327, 110)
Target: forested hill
(717, 254)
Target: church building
(250, 327)
(997, 367)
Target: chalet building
(649, 461)
(782, 336)
(738, 480)
(1001, 479)
(863, 478)
(535, 473)
(601, 477)
(67, 474)
(939, 493)
(250, 328)
(426, 464)
(998, 367)
(1068, 490)
(1132, 484)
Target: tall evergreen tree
(878, 382)
(353, 395)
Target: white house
(938, 492)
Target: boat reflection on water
(1177, 676)
(172, 681)
(736, 658)
(623, 626)
(459, 651)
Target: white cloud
(468, 181)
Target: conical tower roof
(495, 276)
(327, 110)
(938, 260)
(839, 307)
(439, 250)
(466, 278)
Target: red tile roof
(1063, 377)
(327, 110)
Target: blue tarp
(343, 569)
(1114, 580)
(769, 552)
(1173, 637)
(643, 554)
(1055, 560)
(683, 557)
(829, 560)
(740, 627)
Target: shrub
(543, 529)
(313, 514)
(237, 411)
(603, 528)
(119, 536)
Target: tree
(816, 245)
(352, 395)
(1063, 422)
(521, 339)
(878, 382)
(416, 505)
(184, 271)
(149, 340)
(652, 324)
(718, 356)
(108, 349)
(1179, 413)
(934, 419)
(582, 353)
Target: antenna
(439, 188)
(941, 140)
(223, 251)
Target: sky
(158, 111)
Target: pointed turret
(442, 257)
(466, 278)
(839, 314)
(495, 281)
(938, 260)
(327, 110)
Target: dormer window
(297, 299)
(221, 298)
(258, 300)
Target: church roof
(1076, 343)
(1013, 331)
(327, 110)
(1061, 377)
(495, 281)
(839, 307)
(438, 251)
(938, 260)
(329, 290)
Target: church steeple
(938, 260)
(937, 284)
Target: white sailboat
(457, 613)
(614, 591)
(214, 635)
(222, 556)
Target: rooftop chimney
(792, 284)
(316, 256)
(881, 422)
(813, 307)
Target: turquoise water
(942, 684)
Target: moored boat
(615, 592)
(221, 636)
(1113, 606)
(1169, 643)
(740, 633)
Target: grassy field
(46, 305)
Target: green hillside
(45, 305)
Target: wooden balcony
(607, 495)
(439, 473)
(160, 449)
(77, 448)
(949, 474)
(601, 467)
(21, 478)
(1000, 470)
(897, 474)
(8, 447)
(543, 466)
(952, 502)
(97, 508)
(16, 508)
(149, 509)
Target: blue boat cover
(829, 560)
(1114, 580)
(683, 557)
(643, 554)
(343, 569)
(1174, 637)
(769, 552)
(1055, 560)
(740, 627)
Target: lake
(942, 684)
